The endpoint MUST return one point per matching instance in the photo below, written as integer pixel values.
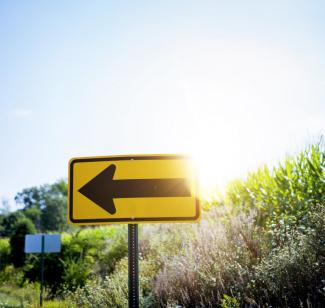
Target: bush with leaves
(293, 275)
(85, 253)
(8, 222)
(230, 261)
(214, 261)
(17, 240)
(112, 290)
(4, 253)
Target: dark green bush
(4, 253)
(17, 240)
(85, 253)
(8, 222)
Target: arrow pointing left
(102, 189)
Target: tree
(8, 222)
(54, 213)
(34, 214)
(46, 205)
(17, 240)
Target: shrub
(11, 276)
(229, 302)
(294, 275)
(4, 253)
(17, 240)
(84, 253)
(114, 249)
(9, 221)
(230, 263)
(112, 291)
(214, 262)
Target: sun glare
(213, 168)
(232, 106)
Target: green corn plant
(286, 192)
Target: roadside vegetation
(262, 244)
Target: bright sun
(231, 107)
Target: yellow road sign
(132, 189)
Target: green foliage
(112, 290)
(284, 193)
(54, 213)
(13, 296)
(7, 301)
(115, 249)
(294, 274)
(34, 214)
(28, 297)
(84, 253)
(76, 272)
(229, 302)
(53, 216)
(108, 292)
(56, 304)
(8, 222)
(262, 246)
(17, 240)
(214, 261)
(4, 253)
(46, 205)
(232, 257)
(11, 276)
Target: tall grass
(215, 262)
(285, 192)
(233, 260)
(220, 262)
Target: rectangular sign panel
(132, 189)
(33, 243)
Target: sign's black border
(125, 220)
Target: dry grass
(212, 262)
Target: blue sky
(233, 83)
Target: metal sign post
(133, 269)
(132, 189)
(42, 243)
(42, 272)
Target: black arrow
(102, 188)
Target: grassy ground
(9, 301)
(13, 297)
